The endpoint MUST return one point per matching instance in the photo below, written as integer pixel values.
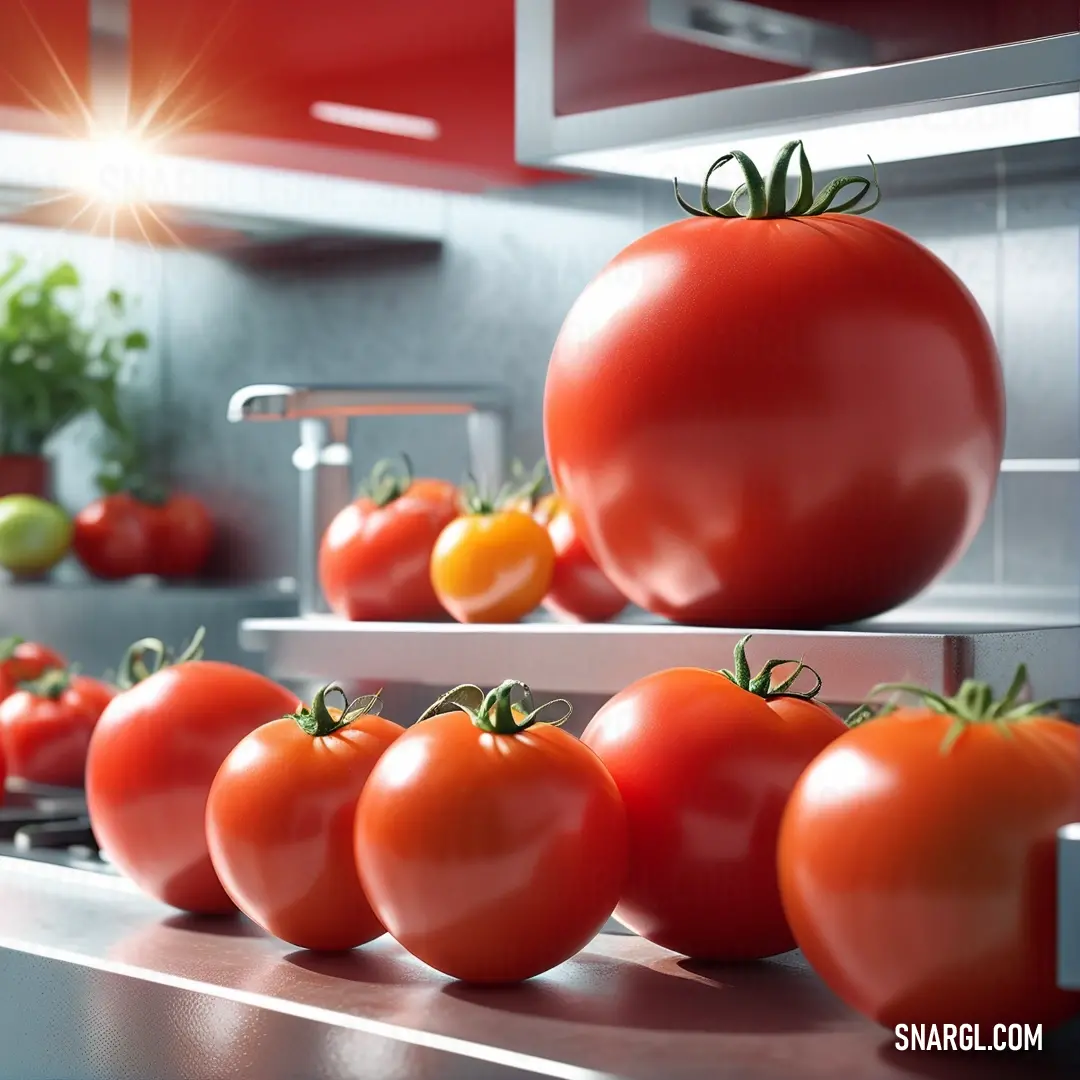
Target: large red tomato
(153, 756)
(785, 420)
(705, 761)
(23, 661)
(490, 845)
(114, 536)
(374, 559)
(579, 590)
(279, 822)
(917, 861)
(46, 727)
(183, 536)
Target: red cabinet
(243, 82)
(44, 64)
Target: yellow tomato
(492, 567)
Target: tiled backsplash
(489, 307)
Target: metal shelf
(603, 658)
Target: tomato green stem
(319, 722)
(383, 484)
(973, 703)
(495, 712)
(8, 646)
(767, 198)
(50, 684)
(135, 667)
(761, 685)
(477, 502)
(531, 483)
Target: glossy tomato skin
(920, 884)
(183, 536)
(114, 537)
(491, 858)
(704, 769)
(45, 739)
(279, 825)
(492, 568)
(153, 757)
(579, 591)
(374, 562)
(25, 662)
(706, 404)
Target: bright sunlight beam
(116, 169)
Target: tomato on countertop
(279, 822)
(153, 757)
(490, 844)
(23, 661)
(705, 762)
(46, 727)
(375, 557)
(775, 416)
(494, 563)
(917, 859)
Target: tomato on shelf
(375, 557)
(579, 590)
(917, 859)
(705, 761)
(182, 530)
(491, 845)
(46, 727)
(494, 563)
(114, 537)
(153, 757)
(280, 816)
(23, 661)
(775, 416)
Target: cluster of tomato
(727, 816)
(416, 549)
(120, 536)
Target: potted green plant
(54, 368)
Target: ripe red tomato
(714, 416)
(492, 565)
(705, 761)
(579, 591)
(279, 823)
(114, 537)
(46, 728)
(23, 661)
(917, 861)
(183, 536)
(374, 560)
(153, 757)
(491, 846)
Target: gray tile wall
(488, 308)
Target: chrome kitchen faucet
(324, 458)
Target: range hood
(847, 94)
(106, 183)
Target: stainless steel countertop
(149, 992)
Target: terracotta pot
(25, 474)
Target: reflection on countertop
(185, 996)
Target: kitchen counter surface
(100, 982)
